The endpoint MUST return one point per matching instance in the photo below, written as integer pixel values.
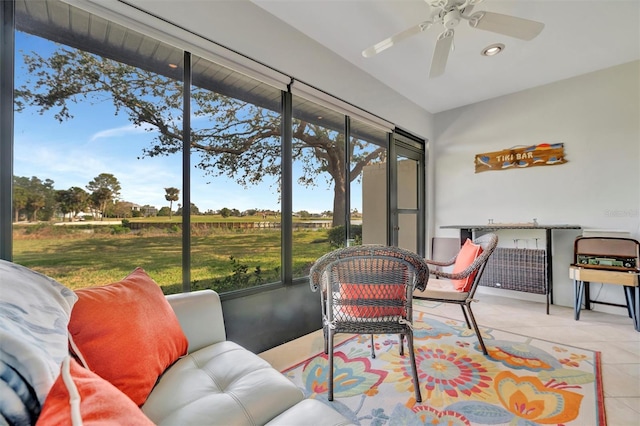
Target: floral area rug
(523, 381)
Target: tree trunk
(339, 198)
(338, 206)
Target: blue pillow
(34, 314)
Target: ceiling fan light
(492, 49)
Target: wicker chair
(368, 290)
(442, 290)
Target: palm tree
(172, 194)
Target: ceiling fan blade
(395, 39)
(512, 26)
(441, 54)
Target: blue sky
(96, 141)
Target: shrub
(34, 229)
(240, 278)
(336, 235)
(119, 229)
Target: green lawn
(83, 257)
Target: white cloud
(119, 131)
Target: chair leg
(330, 359)
(466, 318)
(373, 348)
(414, 369)
(326, 339)
(476, 329)
(402, 345)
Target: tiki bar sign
(543, 154)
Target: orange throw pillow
(79, 394)
(365, 291)
(467, 255)
(127, 333)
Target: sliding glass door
(407, 203)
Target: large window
(235, 179)
(319, 183)
(97, 141)
(102, 182)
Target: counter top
(498, 226)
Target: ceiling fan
(449, 13)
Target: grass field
(90, 256)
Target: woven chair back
(368, 289)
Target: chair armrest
(441, 263)
(200, 316)
(449, 275)
(459, 275)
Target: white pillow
(34, 314)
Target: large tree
(20, 199)
(233, 138)
(34, 197)
(105, 189)
(72, 201)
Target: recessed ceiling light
(173, 66)
(492, 49)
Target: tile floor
(612, 335)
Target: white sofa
(221, 381)
(193, 377)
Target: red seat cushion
(467, 255)
(367, 291)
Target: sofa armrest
(200, 316)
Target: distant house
(148, 211)
(84, 215)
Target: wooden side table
(629, 280)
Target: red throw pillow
(79, 394)
(366, 291)
(467, 255)
(127, 333)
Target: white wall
(596, 116)
(374, 201)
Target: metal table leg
(549, 268)
(578, 292)
(633, 300)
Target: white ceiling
(580, 36)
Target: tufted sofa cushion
(220, 384)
